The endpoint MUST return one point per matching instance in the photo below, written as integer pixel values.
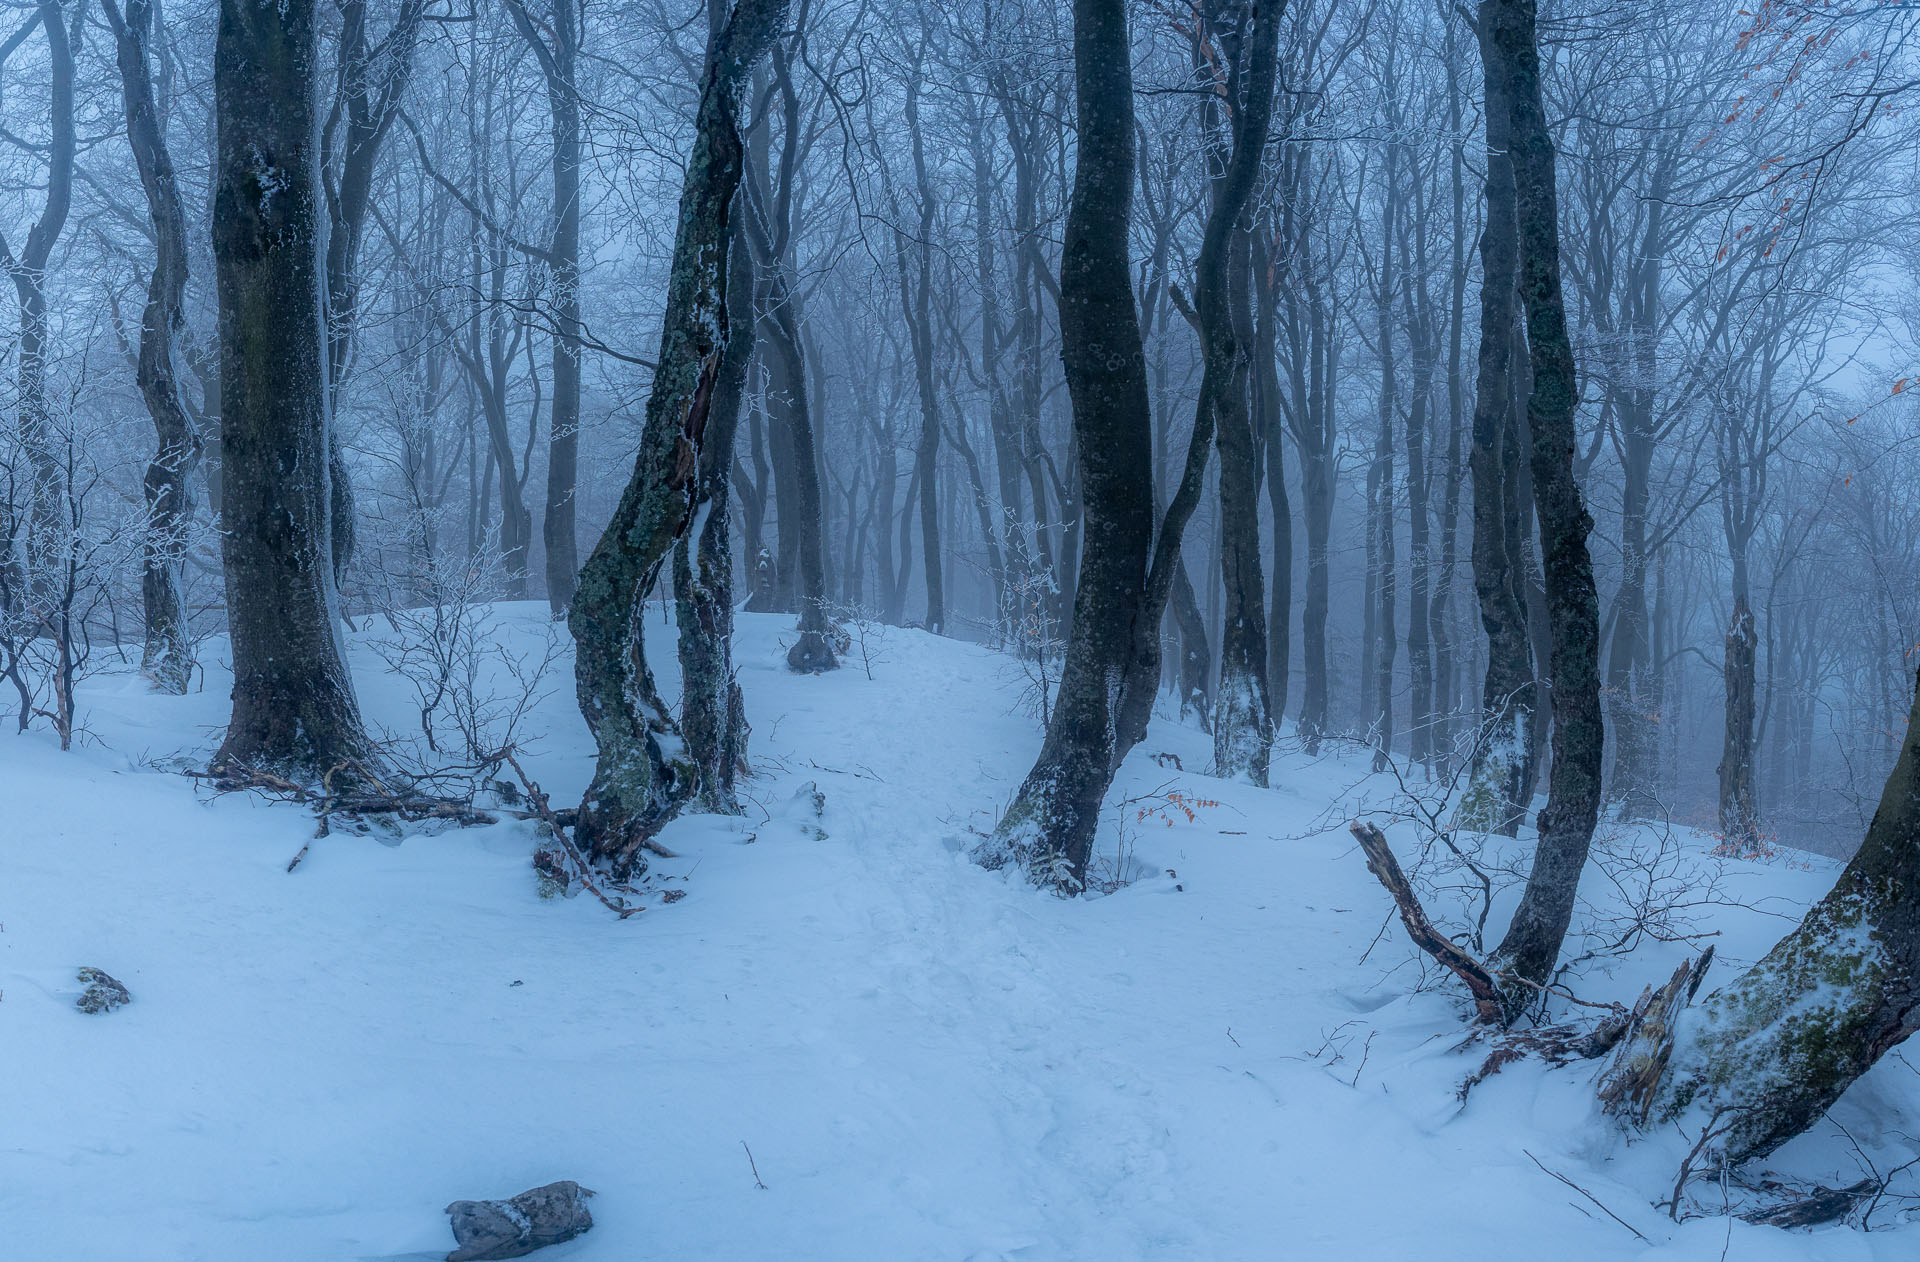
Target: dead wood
(1823, 1205)
(1479, 981)
(1632, 1079)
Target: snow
(1223, 1060)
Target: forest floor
(1231, 1057)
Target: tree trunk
(372, 83)
(294, 711)
(1049, 828)
(637, 785)
(46, 528)
(712, 711)
(167, 656)
(916, 298)
(770, 227)
(1764, 1058)
(1495, 799)
(1739, 816)
(1242, 709)
(558, 61)
(1532, 944)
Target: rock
(103, 993)
(487, 1230)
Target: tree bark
(558, 61)
(372, 85)
(1049, 828)
(28, 272)
(1762, 1059)
(1496, 795)
(167, 655)
(294, 711)
(1532, 944)
(637, 786)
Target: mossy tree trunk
(167, 656)
(1248, 35)
(293, 705)
(637, 785)
(1766, 1056)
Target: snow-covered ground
(1225, 1059)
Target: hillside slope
(1225, 1059)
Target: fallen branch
(1823, 1205)
(537, 798)
(1479, 981)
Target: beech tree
(637, 785)
(294, 711)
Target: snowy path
(926, 1060)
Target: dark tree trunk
(1380, 484)
(1242, 710)
(558, 60)
(1049, 828)
(916, 298)
(293, 705)
(1496, 796)
(770, 227)
(1269, 423)
(1252, 60)
(637, 786)
(1739, 815)
(1532, 944)
(167, 656)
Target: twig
(1590, 1196)
(751, 1166)
(537, 798)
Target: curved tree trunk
(293, 705)
(637, 786)
(167, 656)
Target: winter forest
(959, 629)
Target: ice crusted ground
(926, 1060)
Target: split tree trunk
(637, 786)
(1496, 796)
(294, 712)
